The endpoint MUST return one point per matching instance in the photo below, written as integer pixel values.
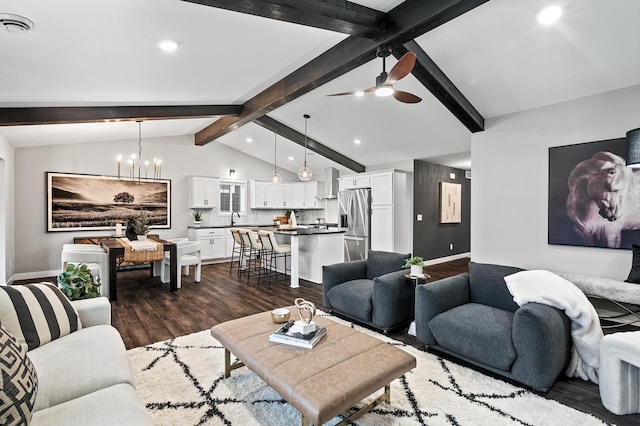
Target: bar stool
(274, 251)
(238, 248)
(253, 254)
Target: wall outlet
(419, 218)
(451, 246)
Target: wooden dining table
(116, 250)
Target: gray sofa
(473, 317)
(373, 292)
(85, 377)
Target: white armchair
(189, 253)
(94, 256)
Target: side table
(417, 279)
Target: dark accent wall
(431, 239)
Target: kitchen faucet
(232, 213)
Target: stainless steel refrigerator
(355, 218)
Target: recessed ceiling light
(249, 140)
(290, 158)
(168, 45)
(549, 15)
(359, 93)
(357, 141)
(15, 24)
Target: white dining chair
(92, 255)
(189, 253)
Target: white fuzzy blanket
(549, 289)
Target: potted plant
(141, 225)
(288, 215)
(197, 217)
(417, 265)
(76, 282)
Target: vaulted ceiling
(246, 69)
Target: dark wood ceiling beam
(334, 15)
(410, 19)
(312, 144)
(66, 115)
(340, 59)
(432, 77)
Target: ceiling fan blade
(406, 97)
(370, 89)
(342, 94)
(402, 68)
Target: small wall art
(450, 202)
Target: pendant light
(275, 177)
(304, 174)
(157, 163)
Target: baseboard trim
(37, 274)
(447, 258)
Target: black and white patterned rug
(182, 382)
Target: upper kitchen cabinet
(203, 193)
(354, 181)
(261, 195)
(286, 195)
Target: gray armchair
(374, 292)
(474, 318)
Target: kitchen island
(311, 249)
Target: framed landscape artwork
(450, 202)
(594, 199)
(87, 202)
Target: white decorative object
(303, 327)
(417, 270)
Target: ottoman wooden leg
(227, 364)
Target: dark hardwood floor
(147, 312)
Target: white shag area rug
(182, 382)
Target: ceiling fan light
(359, 93)
(384, 91)
(304, 174)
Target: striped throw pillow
(37, 313)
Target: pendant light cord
(139, 147)
(275, 152)
(306, 119)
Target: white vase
(416, 269)
(142, 237)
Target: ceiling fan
(384, 82)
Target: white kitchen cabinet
(261, 194)
(310, 195)
(203, 193)
(381, 189)
(354, 181)
(382, 230)
(287, 195)
(298, 195)
(283, 195)
(212, 241)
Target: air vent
(15, 24)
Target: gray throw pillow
(634, 274)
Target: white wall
(7, 216)
(37, 250)
(510, 182)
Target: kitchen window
(232, 197)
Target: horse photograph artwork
(594, 199)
